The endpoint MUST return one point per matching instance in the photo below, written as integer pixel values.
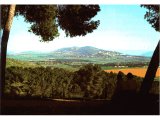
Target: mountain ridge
(87, 52)
(81, 49)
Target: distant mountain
(27, 55)
(86, 51)
(137, 52)
(29, 52)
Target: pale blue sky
(122, 28)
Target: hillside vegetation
(19, 63)
(89, 82)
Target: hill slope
(12, 62)
(87, 53)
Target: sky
(122, 28)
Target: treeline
(89, 82)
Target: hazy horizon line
(127, 52)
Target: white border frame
(80, 1)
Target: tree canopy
(45, 19)
(153, 16)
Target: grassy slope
(12, 62)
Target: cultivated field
(135, 71)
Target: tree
(45, 19)
(4, 41)
(152, 17)
(90, 80)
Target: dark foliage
(88, 91)
(3, 13)
(76, 20)
(45, 19)
(153, 15)
(43, 23)
(90, 82)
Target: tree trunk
(151, 72)
(4, 42)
